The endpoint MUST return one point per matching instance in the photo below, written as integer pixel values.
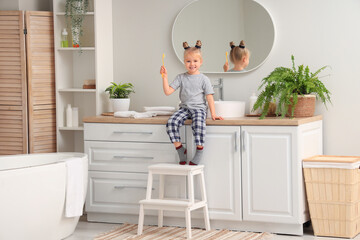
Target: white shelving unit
(93, 60)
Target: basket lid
(328, 161)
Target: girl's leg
(173, 130)
(198, 126)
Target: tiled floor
(87, 231)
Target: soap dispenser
(253, 99)
(64, 38)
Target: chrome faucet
(220, 86)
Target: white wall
(317, 33)
(29, 5)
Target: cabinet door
(41, 81)
(13, 94)
(268, 169)
(221, 159)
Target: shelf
(80, 90)
(63, 14)
(80, 128)
(76, 49)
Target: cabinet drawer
(111, 192)
(128, 132)
(128, 156)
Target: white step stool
(186, 205)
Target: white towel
(161, 108)
(162, 113)
(75, 193)
(124, 114)
(133, 114)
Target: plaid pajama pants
(198, 117)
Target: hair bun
(242, 44)
(198, 44)
(232, 44)
(185, 45)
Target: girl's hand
(226, 67)
(163, 72)
(214, 117)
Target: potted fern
(291, 88)
(119, 95)
(76, 10)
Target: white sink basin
(229, 109)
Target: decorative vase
(305, 106)
(120, 104)
(77, 17)
(75, 36)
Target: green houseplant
(76, 10)
(286, 86)
(119, 95)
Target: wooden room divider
(27, 83)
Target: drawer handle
(122, 187)
(122, 157)
(133, 132)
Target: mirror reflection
(218, 22)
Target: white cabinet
(93, 60)
(273, 189)
(119, 156)
(253, 174)
(222, 170)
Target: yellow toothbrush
(227, 57)
(163, 56)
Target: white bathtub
(32, 196)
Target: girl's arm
(210, 100)
(167, 89)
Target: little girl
(239, 56)
(194, 88)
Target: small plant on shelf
(286, 86)
(76, 10)
(119, 95)
(120, 90)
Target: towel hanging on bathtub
(75, 193)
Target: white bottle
(75, 117)
(69, 116)
(252, 101)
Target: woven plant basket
(305, 106)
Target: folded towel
(124, 114)
(161, 108)
(133, 114)
(162, 113)
(75, 194)
(144, 115)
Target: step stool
(186, 205)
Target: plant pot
(305, 106)
(75, 36)
(120, 104)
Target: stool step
(175, 169)
(167, 202)
(170, 204)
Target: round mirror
(218, 22)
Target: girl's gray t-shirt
(193, 90)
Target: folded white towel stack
(161, 108)
(133, 114)
(75, 194)
(161, 113)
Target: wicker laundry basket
(333, 193)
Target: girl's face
(192, 63)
